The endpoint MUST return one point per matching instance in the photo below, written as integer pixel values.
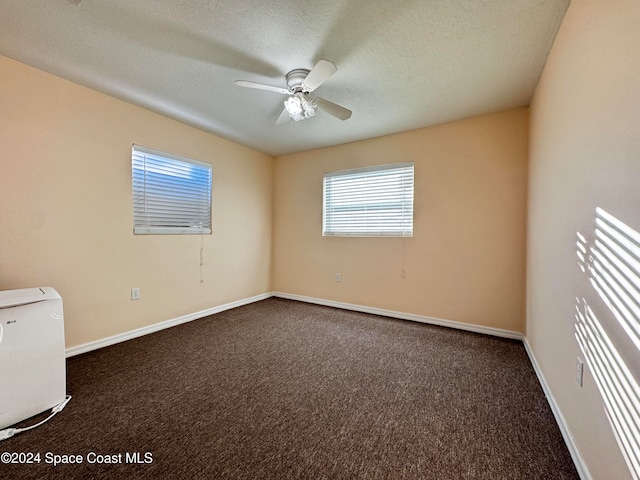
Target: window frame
(367, 175)
(197, 184)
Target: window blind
(372, 201)
(171, 194)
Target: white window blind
(171, 194)
(372, 201)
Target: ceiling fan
(299, 104)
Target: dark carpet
(280, 389)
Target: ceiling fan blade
(318, 75)
(262, 86)
(283, 118)
(333, 109)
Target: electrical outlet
(338, 277)
(135, 294)
(579, 371)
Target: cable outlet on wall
(338, 277)
(579, 371)
(135, 294)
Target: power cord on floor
(10, 432)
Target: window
(372, 201)
(170, 194)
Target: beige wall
(66, 213)
(466, 259)
(584, 153)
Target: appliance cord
(10, 432)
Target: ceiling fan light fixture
(293, 104)
(310, 111)
(299, 107)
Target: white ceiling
(402, 64)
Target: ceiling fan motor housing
(295, 79)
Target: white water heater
(32, 356)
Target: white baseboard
(498, 332)
(583, 471)
(122, 337)
(139, 332)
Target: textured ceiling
(402, 64)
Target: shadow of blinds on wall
(612, 264)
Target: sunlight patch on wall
(612, 264)
(619, 390)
